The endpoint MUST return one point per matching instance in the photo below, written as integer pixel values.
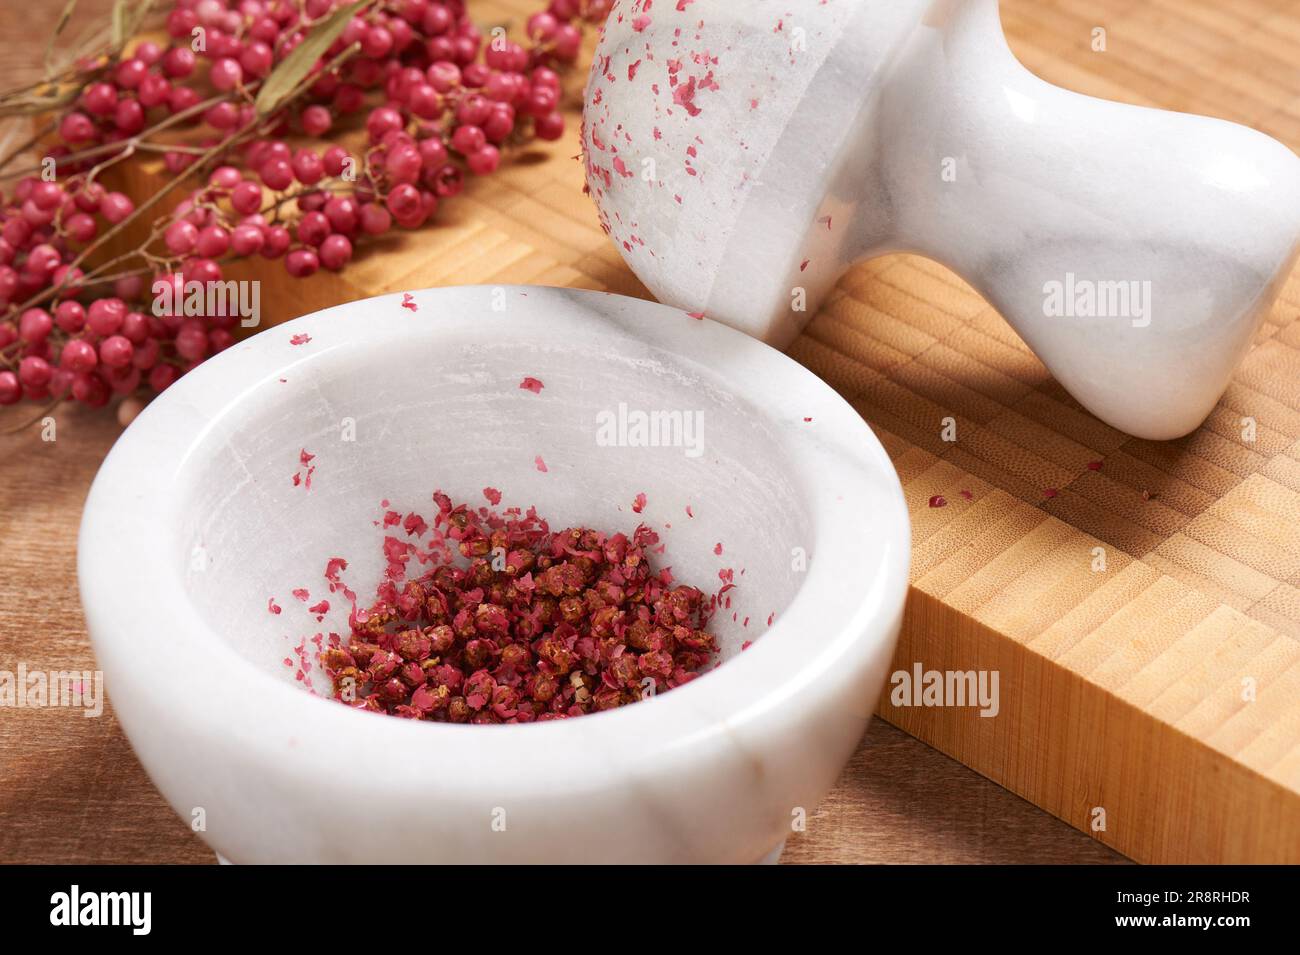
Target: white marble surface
(744, 156)
(194, 524)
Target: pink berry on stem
(99, 99)
(89, 196)
(403, 164)
(146, 354)
(277, 241)
(154, 91)
(80, 227)
(115, 207)
(135, 328)
(383, 120)
(301, 263)
(130, 72)
(226, 177)
(246, 240)
(335, 252)
(403, 200)
(35, 325)
(316, 121)
(192, 342)
(433, 154)
(70, 316)
(549, 127)
(467, 140)
(78, 356)
(424, 101)
(34, 372)
(484, 161)
(90, 390)
(116, 351)
(213, 242)
(105, 316)
(129, 116)
(162, 377)
(226, 74)
(128, 287)
(256, 59)
(377, 42)
(335, 158)
(277, 174)
(11, 391)
(77, 128)
(182, 98)
(308, 167)
(180, 237)
(313, 227)
(342, 214)
(148, 53)
(246, 198)
(46, 195)
(375, 219)
(178, 62)
(202, 270)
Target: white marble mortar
(194, 524)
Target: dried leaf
(34, 103)
(128, 16)
(119, 22)
(295, 67)
(59, 27)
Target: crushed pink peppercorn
(528, 625)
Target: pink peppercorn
(484, 160)
(342, 214)
(277, 241)
(335, 158)
(468, 139)
(99, 99)
(116, 352)
(246, 198)
(301, 263)
(403, 201)
(246, 240)
(308, 167)
(11, 391)
(382, 121)
(213, 242)
(316, 121)
(35, 325)
(277, 174)
(180, 237)
(115, 207)
(226, 74)
(34, 372)
(129, 116)
(70, 316)
(313, 227)
(375, 219)
(178, 62)
(154, 91)
(335, 252)
(105, 316)
(78, 356)
(130, 72)
(80, 227)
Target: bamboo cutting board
(1140, 601)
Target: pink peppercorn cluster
(441, 100)
(538, 626)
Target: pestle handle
(1134, 250)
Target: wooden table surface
(71, 790)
